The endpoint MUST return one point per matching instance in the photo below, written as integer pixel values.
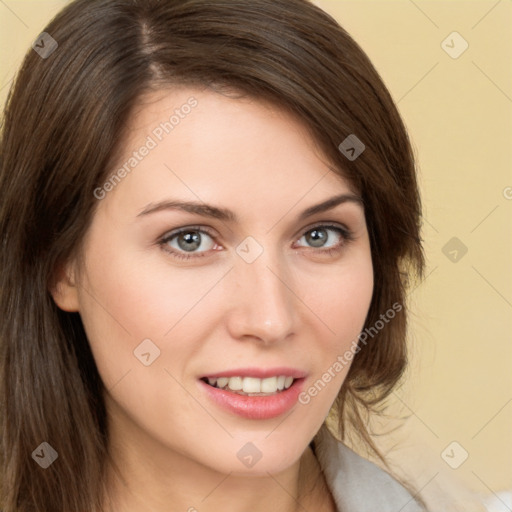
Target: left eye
(319, 235)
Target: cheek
(341, 298)
(131, 296)
(143, 297)
(342, 308)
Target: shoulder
(358, 485)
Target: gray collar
(356, 484)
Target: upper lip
(260, 373)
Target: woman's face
(256, 287)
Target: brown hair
(61, 126)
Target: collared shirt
(356, 484)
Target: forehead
(199, 144)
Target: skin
(293, 306)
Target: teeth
(235, 383)
(252, 385)
(222, 382)
(269, 385)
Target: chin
(258, 454)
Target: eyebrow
(223, 214)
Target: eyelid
(197, 227)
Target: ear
(64, 289)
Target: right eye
(183, 243)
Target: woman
(209, 217)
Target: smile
(251, 386)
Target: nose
(263, 303)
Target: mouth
(252, 386)
(254, 394)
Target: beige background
(459, 113)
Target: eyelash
(346, 235)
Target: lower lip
(256, 407)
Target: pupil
(192, 241)
(318, 236)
